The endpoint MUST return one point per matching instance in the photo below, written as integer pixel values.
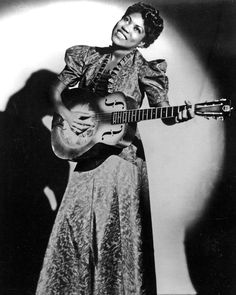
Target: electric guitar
(115, 120)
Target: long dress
(101, 242)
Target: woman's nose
(126, 28)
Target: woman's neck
(117, 53)
(116, 56)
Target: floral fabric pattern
(101, 242)
(133, 75)
(96, 245)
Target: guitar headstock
(217, 109)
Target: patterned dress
(101, 242)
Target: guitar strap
(100, 152)
(96, 156)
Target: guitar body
(114, 119)
(68, 145)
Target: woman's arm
(59, 107)
(155, 84)
(75, 121)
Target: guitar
(115, 120)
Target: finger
(80, 127)
(87, 113)
(84, 115)
(76, 130)
(185, 114)
(177, 119)
(188, 102)
(82, 122)
(89, 122)
(190, 111)
(180, 116)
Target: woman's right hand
(79, 121)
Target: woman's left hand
(186, 114)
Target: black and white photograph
(117, 147)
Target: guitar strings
(102, 116)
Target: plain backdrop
(191, 165)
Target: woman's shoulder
(75, 49)
(87, 50)
(155, 64)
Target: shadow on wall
(28, 166)
(211, 243)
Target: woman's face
(129, 32)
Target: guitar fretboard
(136, 115)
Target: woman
(101, 242)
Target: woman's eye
(137, 30)
(126, 18)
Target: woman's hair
(153, 23)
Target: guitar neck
(137, 115)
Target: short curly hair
(153, 23)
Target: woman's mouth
(121, 35)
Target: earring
(141, 46)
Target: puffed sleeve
(75, 60)
(153, 81)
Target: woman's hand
(186, 114)
(79, 121)
(182, 116)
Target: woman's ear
(141, 44)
